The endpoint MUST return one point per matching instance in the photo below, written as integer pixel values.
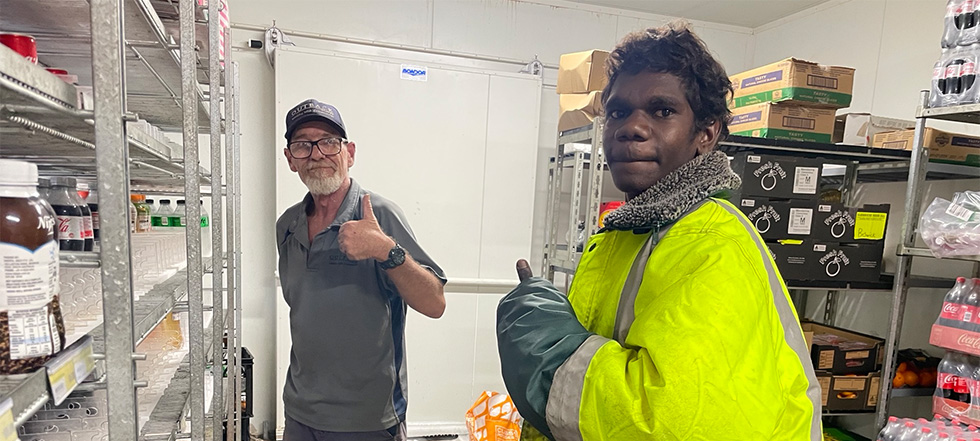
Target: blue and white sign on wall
(414, 73)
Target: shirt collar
(347, 212)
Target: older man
(348, 264)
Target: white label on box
(849, 384)
(959, 212)
(748, 202)
(824, 208)
(820, 248)
(824, 388)
(857, 354)
(806, 180)
(753, 159)
(414, 73)
(800, 220)
(873, 391)
(826, 360)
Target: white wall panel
(258, 148)
(510, 168)
(513, 29)
(907, 55)
(394, 21)
(848, 35)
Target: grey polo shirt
(347, 370)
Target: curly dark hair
(677, 50)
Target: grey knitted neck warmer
(675, 194)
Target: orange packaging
(493, 418)
(606, 208)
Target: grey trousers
(297, 431)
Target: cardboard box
(778, 219)
(582, 72)
(835, 262)
(834, 222)
(860, 128)
(795, 80)
(955, 339)
(578, 109)
(777, 177)
(783, 121)
(849, 353)
(950, 148)
(793, 259)
(843, 393)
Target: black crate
(247, 362)
(245, 425)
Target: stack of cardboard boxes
(945, 147)
(811, 240)
(581, 77)
(791, 99)
(847, 365)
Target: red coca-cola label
(945, 380)
(953, 70)
(937, 73)
(961, 385)
(968, 340)
(969, 68)
(951, 311)
(70, 227)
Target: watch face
(395, 257)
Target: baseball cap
(313, 110)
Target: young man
(348, 265)
(677, 325)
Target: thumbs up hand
(363, 239)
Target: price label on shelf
(8, 431)
(84, 361)
(61, 375)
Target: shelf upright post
(217, 245)
(192, 196)
(231, 140)
(236, 164)
(598, 165)
(112, 157)
(554, 205)
(913, 199)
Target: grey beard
(323, 186)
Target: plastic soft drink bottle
(950, 314)
(909, 432)
(926, 434)
(891, 430)
(950, 31)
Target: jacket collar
(676, 194)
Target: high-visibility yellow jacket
(708, 348)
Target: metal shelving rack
(907, 250)
(136, 54)
(861, 165)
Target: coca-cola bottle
(968, 75)
(950, 314)
(88, 232)
(69, 215)
(938, 89)
(950, 32)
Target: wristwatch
(395, 257)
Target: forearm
(421, 289)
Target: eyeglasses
(327, 147)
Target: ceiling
(746, 13)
